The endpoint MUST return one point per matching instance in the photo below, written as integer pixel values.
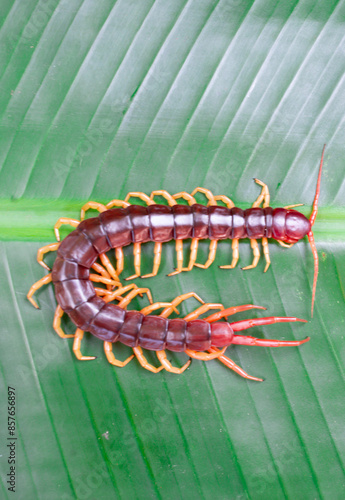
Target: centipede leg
(137, 261)
(203, 356)
(117, 294)
(141, 196)
(36, 286)
(143, 361)
(230, 311)
(108, 349)
(94, 205)
(179, 246)
(125, 301)
(119, 260)
(78, 337)
(161, 355)
(201, 310)
(192, 258)
(108, 265)
(256, 252)
(137, 246)
(48, 248)
(209, 195)
(156, 261)
(103, 272)
(165, 194)
(157, 305)
(264, 196)
(229, 203)
(235, 255)
(101, 279)
(266, 253)
(117, 203)
(177, 301)
(63, 221)
(179, 252)
(211, 255)
(57, 323)
(232, 365)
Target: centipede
(93, 309)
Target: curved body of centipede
(91, 308)
(112, 323)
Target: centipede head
(310, 234)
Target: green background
(101, 98)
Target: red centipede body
(115, 228)
(137, 224)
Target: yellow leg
(62, 221)
(210, 196)
(256, 252)
(203, 356)
(91, 204)
(79, 334)
(294, 206)
(119, 260)
(235, 255)
(161, 355)
(108, 265)
(99, 269)
(143, 361)
(156, 261)
(100, 279)
(36, 286)
(180, 298)
(157, 305)
(141, 196)
(266, 253)
(264, 196)
(138, 291)
(165, 194)
(192, 259)
(117, 203)
(108, 349)
(57, 323)
(285, 245)
(137, 261)
(229, 203)
(211, 255)
(48, 248)
(186, 196)
(179, 252)
(201, 310)
(117, 294)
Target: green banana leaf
(98, 99)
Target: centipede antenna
(317, 191)
(316, 268)
(310, 234)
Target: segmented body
(137, 224)
(115, 228)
